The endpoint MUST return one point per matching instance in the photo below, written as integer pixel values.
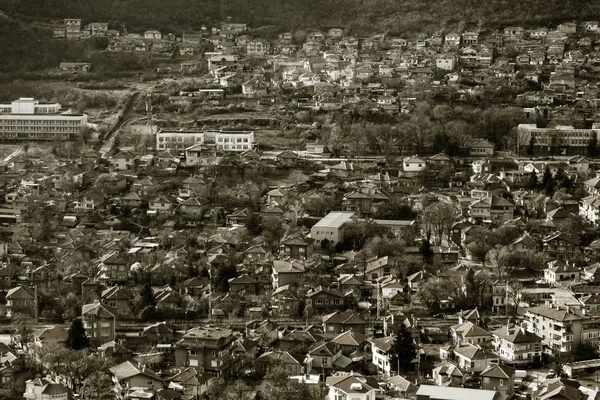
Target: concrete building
(207, 349)
(239, 141)
(560, 140)
(99, 321)
(563, 328)
(28, 119)
(516, 346)
(331, 227)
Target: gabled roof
(350, 338)
(468, 329)
(473, 352)
(384, 344)
(374, 265)
(561, 314)
(289, 266)
(353, 384)
(343, 317)
(280, 356)
(514, 334)
(128, 369)
(98, 309)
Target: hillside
(399, 16)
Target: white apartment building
(28, 119)
(239, 141)
(563, 328)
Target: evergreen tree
(403, 351)
(77, 338)
(147, 295)
(548, 181)
(531, 144)
(426, 251)
(592, 147)
(533, 180)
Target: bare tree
(437, 220)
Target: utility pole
(379, 300)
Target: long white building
(28, 119)
(560, 140)
(223, 140)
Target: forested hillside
(399, 16)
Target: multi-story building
(517, 346)
(207, 349)
(28, 119)
(223, 140)
(257, 47)
(563, 328)
(494, 209)
(99, 321)
(560, 140)
(20, 299)
(331, 227)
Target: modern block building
(239, 141)
(331, 227)
(28, 119)
(560, 140)
(207, 349)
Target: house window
(324, 361)
(501, 382)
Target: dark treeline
(397, 16)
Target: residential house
(324, 300)
(99, 321)
(277, 197)
(208, 349)
(297, 247)
(20, 300)
(447, 373)
(287, 272)
(500, 378)
(350, 342)
(45, 389)
(326, 356)
(123, 161)
(245, 283)
(378, 268)
(190, 382)
(560, 245)
(292, 364)
(481, 147)
(559, 271)
(380, 348)
(129, 375)
(117, 297)
(516, 346)
(469, 333)
(343, 321)
(492, 209)
(113, 269)
(525, 244)
(589, 209)
(414, 164)
(285, 302)
(352, 387)
(365, 200)
(473, 358)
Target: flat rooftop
(334, 219)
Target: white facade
(331, 227)
(28, 119)
(414, 164)
(224, 140)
